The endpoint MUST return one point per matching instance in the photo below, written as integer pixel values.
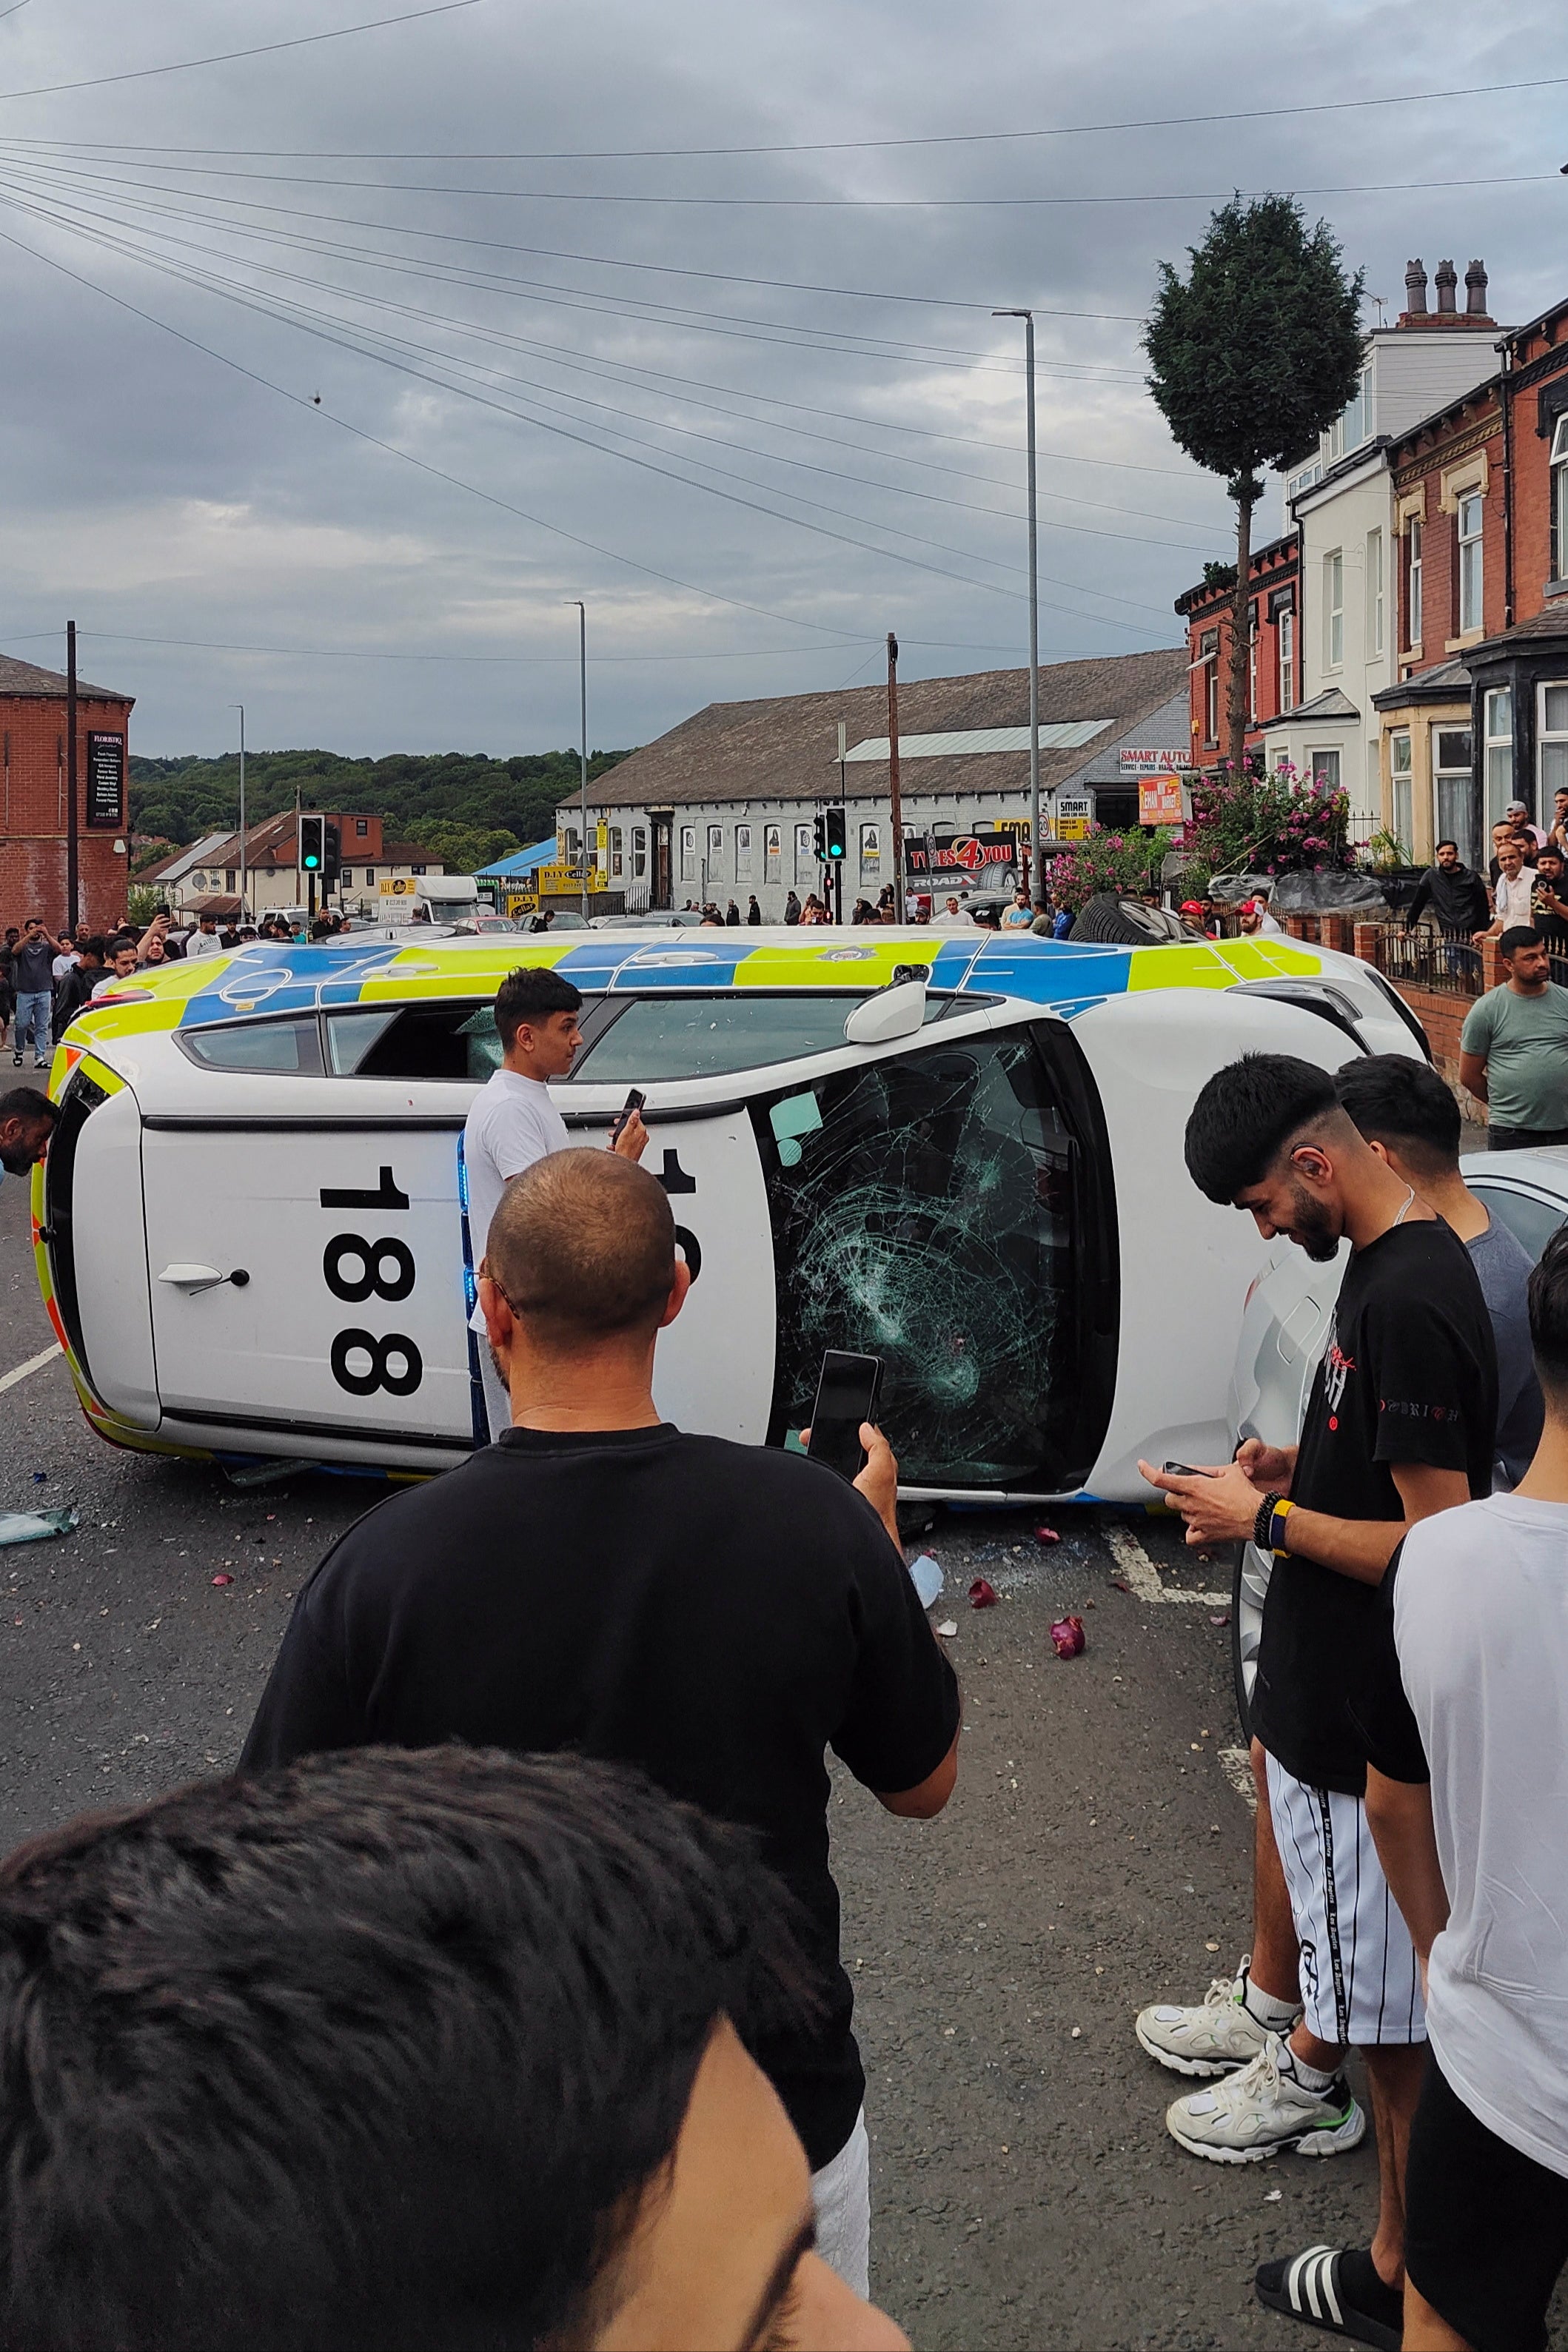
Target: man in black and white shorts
(1463, 1718)
(1399, 1425)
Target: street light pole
(1036, 831)
(583, 720)
(240, 708)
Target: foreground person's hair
(1246, 1114)
(376, 2052)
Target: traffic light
(313, 845)
(837, 831)
(820, 837)
(332, 854)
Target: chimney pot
(1447, 279)
(1476, 289)
(1415, 288)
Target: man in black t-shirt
(718, 1614)
(1399, 1425)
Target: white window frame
(716, 854)
(1402, 790)
(640, 852)
(1469, 525)
(1332, 769)
(689, 853)
(617, 850)
(1334, 609)
(1497, 768)
(1287, 629)
(804, 854)
(1558, 462)
(1252, 630)
(1414, 588)
(1374, 592)
(744, 854)
(1551, 742)
(1459, 828)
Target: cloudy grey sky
(548, 366)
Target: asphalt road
(1095, 1857)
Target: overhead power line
(852, 146)
(231, 56)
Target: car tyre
(1125, 922)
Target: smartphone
(849, 1389)
(1184, 1470)
(634, 1101)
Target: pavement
(1096, 1856)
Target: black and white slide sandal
(1313, 2287)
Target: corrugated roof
(1063, 735)
(785, 748)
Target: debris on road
(1068, 1638)
(947, 1629)
(983, 1595)
(223, 1580)
(1046, 1536)
(34, 1527)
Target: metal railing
(1446, 962)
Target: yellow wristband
(1276, 1529)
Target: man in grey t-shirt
(1514, 1049)
(1407, 1114)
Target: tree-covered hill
(457, 803)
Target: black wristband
(1263, 1524)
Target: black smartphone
(634, 1101)
(848, 1391)
(1184, 1470)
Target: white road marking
(1143, 1577)
(33, 1364)
(1236, 1766)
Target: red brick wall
(1439, 542)
(33, 812)
(1531, 503)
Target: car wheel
(1249, 1588)
(1125, 922)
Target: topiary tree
(1253, 356)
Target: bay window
(1554, 739)
(1498, 766)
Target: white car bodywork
(248, 1264)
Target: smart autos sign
(1145, 763)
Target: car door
(310, 1277)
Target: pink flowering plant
(1121, 862)
(1277, 822)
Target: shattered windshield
(923, 1211)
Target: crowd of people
(503, 1985)
(1409, 1861)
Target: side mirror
(896, 1012)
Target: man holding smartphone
(718, 1615)
(513, 1121)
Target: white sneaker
(1264, 2108)
(1217, 2038)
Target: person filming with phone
(513, 1120)
(599, 1580)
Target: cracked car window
(922, 1212)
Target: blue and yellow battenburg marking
(1056, 972)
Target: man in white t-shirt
(1463, 1716)
(513, 1121)
(203, 941)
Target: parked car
(253, 1237)
(1285, 1329)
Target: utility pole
(895, 794)
(297, 868)
(240, 708)
(1036, 831)
(838, 871)
(73, 838)
(583, 721)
